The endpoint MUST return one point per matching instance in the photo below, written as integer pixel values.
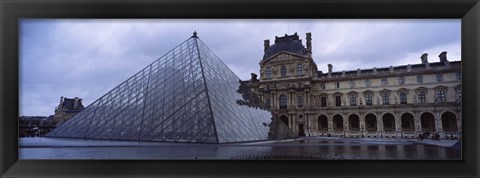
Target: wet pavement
(302, 148)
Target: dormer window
(439, 77)
(401, 80)
(322, 86)
(367, 82)
(384, 81)
(419, 78)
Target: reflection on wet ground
(305, 148)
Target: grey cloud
(87, 58)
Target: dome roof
(290, 44)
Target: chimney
(61, 103)
(330, 67)
(309, 43)
(75, 103)
(266, 44)
(424, 58)
(80, 103)
(443, 58)
(254, 77)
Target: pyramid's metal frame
(187, 95)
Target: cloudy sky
(88, 58)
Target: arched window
(283, 101)
(299, 70)
(268, 73)
(283, 71)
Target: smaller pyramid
(187, 95)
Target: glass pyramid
(187, 95)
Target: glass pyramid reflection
(187, 95)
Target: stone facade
(67, 109)
(395, 101)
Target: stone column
(273, 101)
(418, 125)
(362, 124)
(438, 124)
(307, 99)
(459, 122)
(294, 123)
(346, 129)
(330, 123)
(380, 132)
(398, 122)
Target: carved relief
(291, 69)
(275, 71)
(282, 57)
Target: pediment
(282, 57)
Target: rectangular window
(401, 80)
(459, 75)
(299, 70)
(352, 84)
(419, 78)
(385, 99)
(384, 81)
(421, 97)
(459, 94)
(268, 87)
(441, 96)
(283, 100)
(353, 100)
(439, 77)
(300, 101)
(337, 84)
(403, 98)
(324, 101)
(368, 99)
(268, 102)
(338, 101)
(322, 86)
(367, 82)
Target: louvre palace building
(379, 102)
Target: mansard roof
(289, 43)
(414, 67)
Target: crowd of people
(425, 135)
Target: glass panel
(187, 95)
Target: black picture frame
(11, 11)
